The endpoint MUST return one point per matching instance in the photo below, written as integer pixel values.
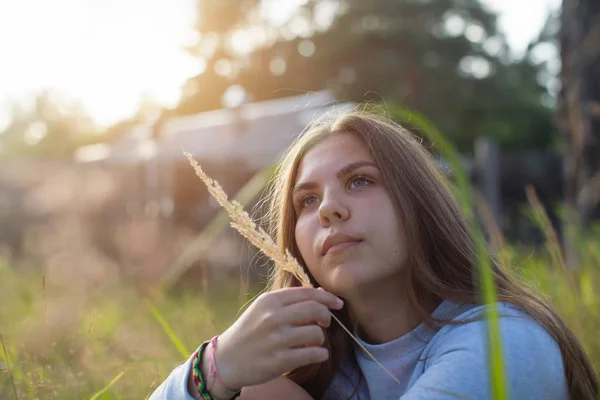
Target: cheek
(400, 240)
(304, 240)
(394, 228)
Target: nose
(332, 209)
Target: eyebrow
(346, 170)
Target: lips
(339, 241)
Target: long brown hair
(442, 263)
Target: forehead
(331, 154)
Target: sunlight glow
(521, 20)
(103, 53)
(35, 133)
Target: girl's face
(347, 229)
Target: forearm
(280, 387)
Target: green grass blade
(107, 387)
(466, 201)
(6, 358)
(169, 331)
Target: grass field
(71, 341)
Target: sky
(107, 54)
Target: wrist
(212, 371)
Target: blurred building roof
(256, 133)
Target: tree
(444, 58)
(579, 111)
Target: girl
(358, 201)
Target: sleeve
(457, 365)
(175, 386)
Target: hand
(276, 334)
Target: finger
(306, 311)
(298, 294)
(307, 335)
(301, 356)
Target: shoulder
(517, 330)
(531, 355)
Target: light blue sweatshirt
(448, 364)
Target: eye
(305, 201)
(308, 201)
(358, 181)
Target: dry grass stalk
(244, 224)
(552, 242)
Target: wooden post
(167, 189)
(487, 169)
(579, 115)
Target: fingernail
(340, 302)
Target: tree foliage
(445, 58)
(51, 127)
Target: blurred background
(115, 263)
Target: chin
(347, 279)
(344, 279)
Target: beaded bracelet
(197, 376)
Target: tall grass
(108, 344)
(90, 339)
